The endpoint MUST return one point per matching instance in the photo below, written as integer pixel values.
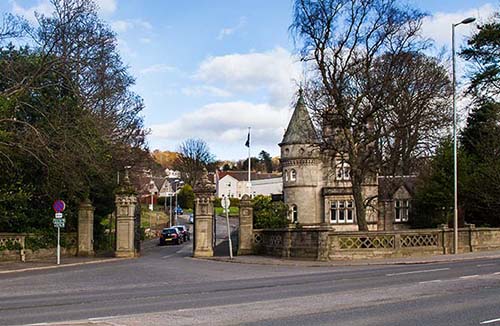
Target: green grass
(233, 211)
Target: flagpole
(249, 166)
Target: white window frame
(342, 212)
(401, 210)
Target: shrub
(268, 214)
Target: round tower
(301, 167)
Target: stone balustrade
(323, 243)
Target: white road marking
(468, 276)
(433, 281)
(490, 321)
(420, 271)
(496, 273)
(481, 265)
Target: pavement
(50, 263)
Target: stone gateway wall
(13, 246)
(326, 244)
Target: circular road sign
(59, 206)
(225, 202)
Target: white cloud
(205, 90)
(226, 123)
(106, 6)
(273, 71)
(156, 68)
(438, 26)
(121, 26)
(231, 30)
(43, 7)
(145, 40)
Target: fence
(327, 244)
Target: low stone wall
(327, 244)
(13, 246)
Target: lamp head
(468, 20)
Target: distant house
(235, 184)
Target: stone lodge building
(320, 195)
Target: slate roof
(300, 129)
(388, 185)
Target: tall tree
(341, 40)
(481, 142)
(417, 105)
(483, 54)
(266, 159)
(68, 120)
(194, 155)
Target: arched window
(285, 172)
(293, 175)
(294, 214)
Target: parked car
(191, 218)
(170, 235)
(184, 231)
(179, 210)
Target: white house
(235, 184)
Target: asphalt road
(166, 286)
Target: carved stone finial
(204, 184)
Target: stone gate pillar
(125, 229)
(245, 241)
(86, 228)
(204, 206)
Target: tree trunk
(357, 193)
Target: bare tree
(341, 40)
(194, 155)
(417, 105)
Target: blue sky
(212, 68)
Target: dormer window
(293, 175)
(342, 170)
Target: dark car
(170, 235)
(184, 231)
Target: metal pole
(229, 233)
(455, 192)
(58, 245)
(170, 197)
(176, 204)
(249, 186)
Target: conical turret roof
(300, 128)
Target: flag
(247, 144)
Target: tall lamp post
(177, 184)
(455, 188)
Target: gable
(401, 193)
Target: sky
(212, 68)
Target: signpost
(225, 203)
(59, 222)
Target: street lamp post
(455, 188)
(177, 183)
